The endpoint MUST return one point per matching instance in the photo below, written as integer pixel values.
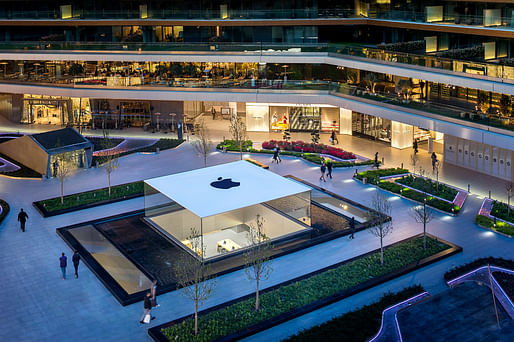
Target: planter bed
(486, 220)
(303, 147)
(89, 199)
(367, 318)
(427, 186)
(385, 182)
(4, 210)
(506, 282)
(500, 211)
(237, 319)
(466, 268)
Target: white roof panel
(193, 189)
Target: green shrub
(501, 226)
(368, 319)
(231, 145)
(500, 210)
(5, 209)
(373, 174)
(390, 186)
(241, 315)
(89, 197)
(428, 186)
(463, 269)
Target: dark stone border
(45, 213)
(156, 334)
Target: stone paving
(38, 305)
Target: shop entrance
(46, 111)
(371, 127)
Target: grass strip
(501, 210)
(428, 186)
(93, 196)
(374, 174)
(358, 325)
(286, 298)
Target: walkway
(38, 305)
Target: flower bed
(426, 185)
(91, 197)
(368, 319)
(4, 206)
(300, 146)
(501, 226)
(292, 296)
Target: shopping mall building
(389, 70)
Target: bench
(253, 161)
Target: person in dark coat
(323, 169)
(333, 138)
(148, 307)
(22, 218)
(376, 160)
(352, 227)
(415, 146)
(76, 261)
(330, 165)
(63, 262)
(434, 160)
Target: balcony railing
(428, 16)
(462, 111)
(337, 50)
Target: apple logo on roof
(226, 183)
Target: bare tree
(192, 274)
(413, 161)
(423, 214)
(111, 158)
(238, 131)
(257, 258)
(508, 187)
(203, 143)
(62, 169)
(380, 218)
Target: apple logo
(226, 183)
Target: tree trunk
(257, 294)
(196, 317)
(109, 181)
(381, 251)
(241, 149)
(205, 160)
(62, 190)
(424, 233)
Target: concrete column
(345, 121)
(401, 135)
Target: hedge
(501, 226)
(373, 174)
(428, 186)
(500, 210)
(88, 197)
(463, 269)
(286, 298)
(358, 325)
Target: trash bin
(179, 131)
(364, 180)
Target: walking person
(434, 160)
(352, 227)
(333, 138)
(22, 218)
(63, 262)
(213, 112)
(415, 146)
(330, 165)
(153, 290)
(147, 309)
(323, 169)
(376, 160)
(277, 149)
(275, 155)
(76, 260)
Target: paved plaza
(38, 305)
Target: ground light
(488, 234)
(394, 198)
(348, 181)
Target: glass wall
(371, 126)
(225, 232)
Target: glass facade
(226, 232)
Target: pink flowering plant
(300, 146)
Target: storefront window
(371, 127)
(47, 110)
(304, 119)
(279, 118)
